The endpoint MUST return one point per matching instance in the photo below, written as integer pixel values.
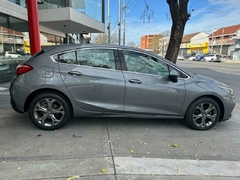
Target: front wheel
(49, 111)
(203, 114)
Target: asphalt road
(121, 148)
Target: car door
(148, 88)
(93, 79)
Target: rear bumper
(16, 98)
(14, 106)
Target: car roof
(75, 46)
(64, 47)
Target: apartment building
(221, 39)
(150, 42)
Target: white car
(180, 57)
(212, 57)
(12, 55)
(192, 58)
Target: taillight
(23, 68)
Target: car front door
(148, 88)
(93, 79)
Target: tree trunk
(175, 42)
(180, 15)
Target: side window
(102, 58)
(68, 57)
(142, 63)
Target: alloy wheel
(49, 112)
(204, 115)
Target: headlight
(227, 89)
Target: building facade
(163, 45)
(150, 42)
(221, 39)
(234, 50)
(11, 40)
(68, 20)
(195, 43)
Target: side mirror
(173, 75)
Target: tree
(131, 44)
(102, 38)
(180, 15)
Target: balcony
(12, 41)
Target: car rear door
(148, 88)
(93, 78)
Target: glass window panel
(92, 8)
(142, 63)
(51, 4)
(101, 58)
(19, 2)
(68, 58)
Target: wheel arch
(39, 91)
(218, 100)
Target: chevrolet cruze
(105, 81)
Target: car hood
(206, 79)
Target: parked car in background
(212, 58)
(180, 57)
(23, 54)
(12, 55)
(188, 55)
(192, 58)
(199, 57)
(106, 80)
(3, 64)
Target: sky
(206, 15)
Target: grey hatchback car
(105, 80)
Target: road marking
(176, 167)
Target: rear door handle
(135, 81)
(75, 73)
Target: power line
(130, 1)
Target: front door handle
(135, 81)
(76, 73)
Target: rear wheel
(49, 111)
(203, 114)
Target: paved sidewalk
(224, 60)
(116, 149)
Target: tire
(53, 109)
(206, 112)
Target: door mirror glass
(173, 75)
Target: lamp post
(222, 28)
(212, 40)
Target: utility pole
(124, 22)
(119, 22)
(212, 41)
(2, 40)
(223, 21)
(109, 24)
